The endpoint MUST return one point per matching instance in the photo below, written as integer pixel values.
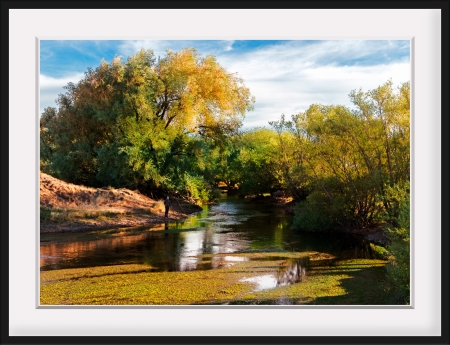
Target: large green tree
(125, 121)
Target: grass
(92, 216)
(133, 285)
(379, 251)
(158, 207)
(350, 282)
(57, 215)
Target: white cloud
(51, 87)
(228, 45)
(128, 48)
(48, 82)
(288, 79)
(285, 78)
(159, 47)
(324, 85)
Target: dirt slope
(123, 207)
(59, 194)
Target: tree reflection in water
(293, 273)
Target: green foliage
(127, 123)
(195, 187)
(319, 213)
(113, 167)
(398, 270)
(350, 158)
(396, 205)
(310, 216)
(47, 145)
(290, 157)
(45, 214)
(257, 161)
(379, 252)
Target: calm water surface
(231, 226)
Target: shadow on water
(341, 245)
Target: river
(230, 226)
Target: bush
(395, 200)
(196, 188)
(317, 213)
(379, 252)
(398, 231)
(310, 215)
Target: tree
(290, 158)
(198, 95)
(350, 157)
(122, 123)
(258, 152)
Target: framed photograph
(419, 30)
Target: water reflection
(228, 227)
(294, 272)
(192, 247)
(264, 282)
(290, 272)
(166, 247)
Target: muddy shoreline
(127, 221)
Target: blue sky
(285, 76)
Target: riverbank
(68, 207)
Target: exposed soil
(104, 207)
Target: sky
(285, 76)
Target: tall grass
(58, 215)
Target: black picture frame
(27, 172)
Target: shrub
(318, 213)
(379, 252)
(197, 189)
(310, 215)
(398, 231)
